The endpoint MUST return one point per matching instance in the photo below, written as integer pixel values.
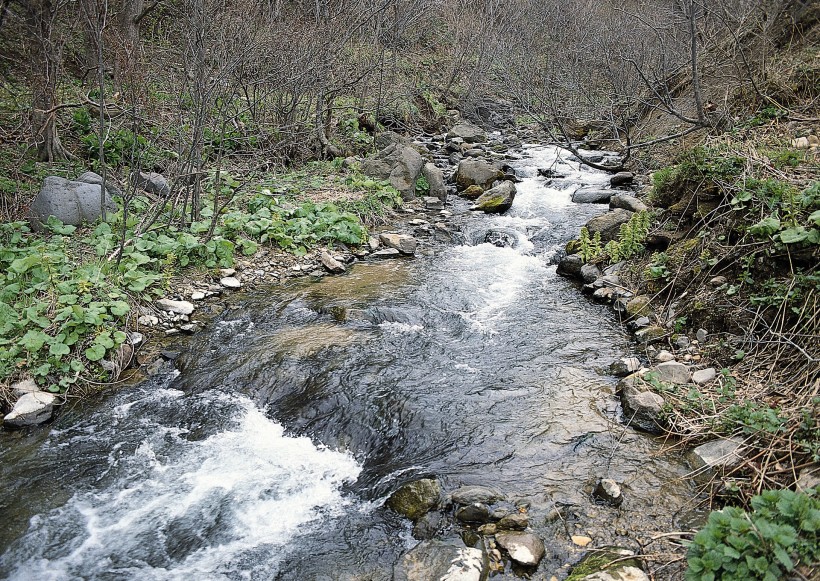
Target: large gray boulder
(435, 177)
(90, 177)
(477, 172)
(468, 132)
(400, 165)
(31, 409)
(152, 182)
(439, 561)
(496, 200)
(609, 224)
(71, 202)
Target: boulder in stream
(470, 494)
(496, 200)
(642, 408)
(402, 242)
(476, 172)
(591, 196)
(608, 564)
(570, 266)
(467, 132)
(416, 498)
(440, 561)
(524, 548)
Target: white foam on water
(223, 507)
(398, 328)
(494, 278)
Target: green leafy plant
(422, 186)
(631, 237)
(780, 532)
(590, 246)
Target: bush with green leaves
(779, 533)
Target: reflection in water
(476, 365)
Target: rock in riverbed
(414, 499)
(31, 409)
(436, 560)
(524, 548)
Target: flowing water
(270, 452)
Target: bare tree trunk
(693, 58)
(45, 66)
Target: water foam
(225, 507)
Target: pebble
(701, 335)
(664, 356)
(581, 540)
(230, 282)
(197, 296)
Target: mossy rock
(473, 192)
(639, 306)
(573, 247)
(415, 499)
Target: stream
(269, 452)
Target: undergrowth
(67, 294)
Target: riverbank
(712, 263)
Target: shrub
(780, 532)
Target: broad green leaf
(95, 352)
(766, 227)
(793, 235)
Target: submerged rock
(608, 564)
(31, 409)
(415, 499)
(439, 561)
(524, 548)
(609, 491)
(476, 512)
(471, 494)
